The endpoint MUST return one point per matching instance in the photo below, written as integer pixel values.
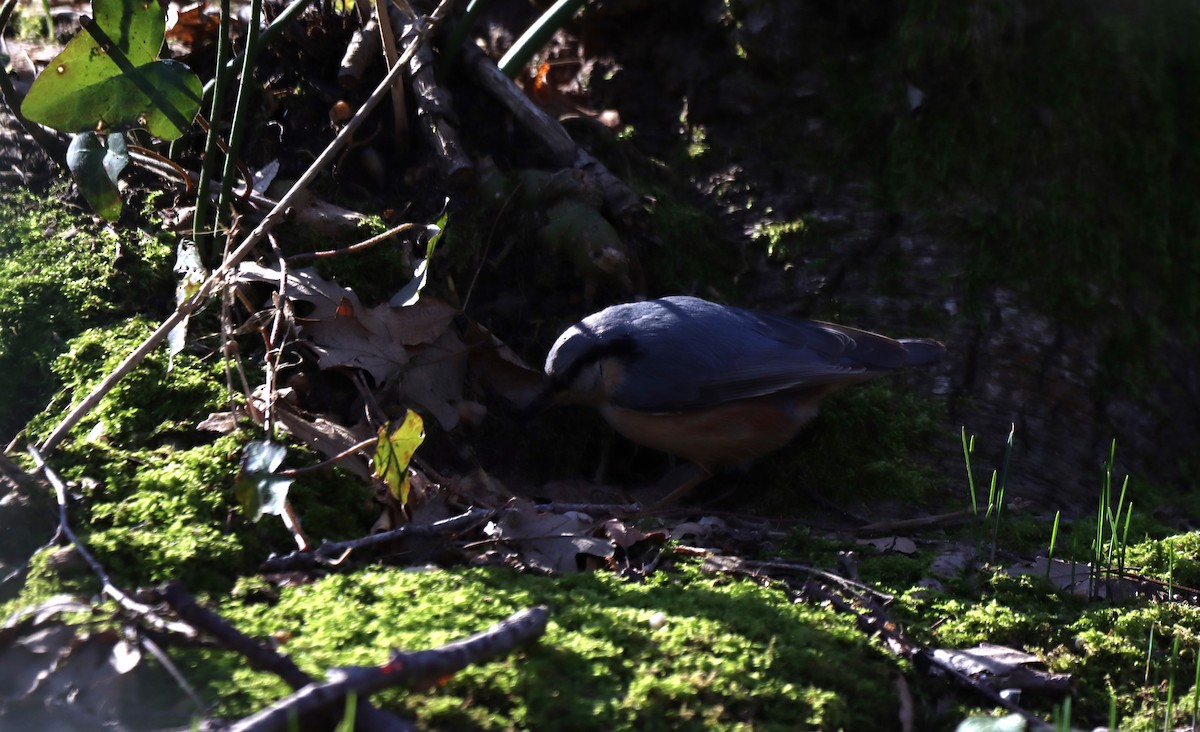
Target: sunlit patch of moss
(697, 141)
(1113, 652)
(165, 520)
(154, 496)
(782, 239)
(53, 571)
(1172, 558)
(1105, 647)
(59, 275)
(135, 411)
(732, 654)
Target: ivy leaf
(257, 487)
(393, 453)
(96, 168)
(109, 77)
(192, 275)
(409, 294)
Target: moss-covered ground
(58, 276)
(728, 654)
(154, 502)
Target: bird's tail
(922, 351)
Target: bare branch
(413, 670)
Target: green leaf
(411, 292)
(258, 489)
(109, 77)
(192, 275)
(96, 169)
(136, 27)
(394, 451)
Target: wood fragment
(435, 107)
(363, 48)
(412, 670)
(619, 199)
(389, 36)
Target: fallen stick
(619, 199)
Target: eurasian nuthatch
(714, 384)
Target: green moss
(1172, 558)
(732, 654)
(782, 239)
(59, 275)
(135, 412)
(690, 250)
(158, 500)
(49, 576)
(892, 571)
(1105, 647)
(859, 449)
(375, 273)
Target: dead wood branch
(335, 552)
(435, 109)
(620, 201)
(413, 670)
(260, 656)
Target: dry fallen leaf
(344, 333)
(1002, 668)
(499, 369)
(897, 544)
(557, 542)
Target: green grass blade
(967, 450)
(1053, 541)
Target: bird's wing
(713, 356)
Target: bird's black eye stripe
(624, 347)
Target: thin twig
(276, 340)
(402, 669)
(297, 472)
(592, 509)
(391, 58)
(365, 244)
(925, 522)
(336, 552)
(144, 612)
(165, 661)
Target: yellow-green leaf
(394, 451)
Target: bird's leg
(677, 483)
(606, 441)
